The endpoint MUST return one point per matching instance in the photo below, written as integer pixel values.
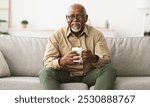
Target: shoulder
(94, 32)
(59, 33)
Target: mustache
(76, 23)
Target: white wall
(123, 16)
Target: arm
(53, 58)
(52, 54)
(102, 51)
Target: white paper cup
(79, 51)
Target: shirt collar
(85, 31)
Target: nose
(76, 18)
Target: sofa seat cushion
(33, 83)
(131, 83)
(74, 86)
(19, 83)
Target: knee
(47, 72)
(110, 69)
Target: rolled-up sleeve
(102, 51)
(51, 56)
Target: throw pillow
(4, 69)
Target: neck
(77, 34)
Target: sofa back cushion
(4, 69)
(130, 55)
(24, 55)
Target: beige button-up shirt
(62, 41)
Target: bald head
(77, 7)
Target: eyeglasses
(79, 17)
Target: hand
(87, 56)
(68, 59)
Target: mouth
(76, 27)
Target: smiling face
(76, 18)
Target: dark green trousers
(103, 78)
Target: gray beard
(75, 29)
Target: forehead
(76, 10)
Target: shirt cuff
(56, 64)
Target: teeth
(76, 27)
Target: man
(59, 64)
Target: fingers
(86, 56)
(72, 57)
(69, 58)
(86, 53)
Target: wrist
(60, 62)
(95, 58)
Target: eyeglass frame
(79, 17)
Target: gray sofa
(130, 56)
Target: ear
(66, 19)
(86, 18)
